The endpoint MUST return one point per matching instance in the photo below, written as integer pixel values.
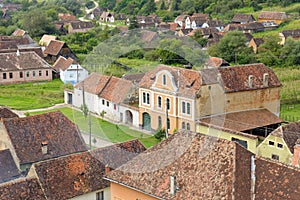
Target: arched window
(159, 122)
(164, 79)
(183, 125)
(168, 104)
(159, 102)
(168, 123)
(188, 126)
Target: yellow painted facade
(251, 142)
(119, 192)
(274, 146)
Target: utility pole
(86, 113)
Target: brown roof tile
(200, 15)
(23, 61)
(81, 173)
(216, 62)
(189, 80)
(276, 181)
(45, 40)
(272, 15)
(204, 167)
(242, 18)
(8, 166)
(62, 63)
(291, 33)
(81, 25)
(66, 17)
(94, 83)
(134, 78)
(7, 113)
(235, 78)
(243, 120)
(19, 33)
(25, 189)
(27, 135)
(54, 47)
(258, 41)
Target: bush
(160, 134)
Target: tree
(148, 8)
(290, 53)
(133, 23)
(269, 51)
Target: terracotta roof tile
(243, 120)
(27, 135)
(272, 15)
(45, 40)
(236, 78)
(78, 174)
(54, 47)
(276, 181)
(8, 166)
(94, 83)
(25, 189)
(23, 61)
(7, 113)
(189, 80)
(62, 63)
(66, 17)
(204, 168)
(216, 62)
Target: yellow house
(280, 144)
(269, 16)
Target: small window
(159, 122)
(100, 195)
(148, 98)
(144, 97)
(115, 107)
(164, 79)
(280, 146)
(33, 73)
(40, 73)
(27, 74)
(21, 74)
(188, 126)
(168, 123)
(241, 142)
(183, 107)
(107, 103)
(188, 108)
(159, 102)
(4, 76)
(183, 125)
(271, 143)
(47, 73)
(10, 75)
(103, 102)
(275, 157)
(168, 104)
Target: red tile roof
(8, 167)
(25, 189)
(27, 135)
(7, 113)
(54, 47)
(276, 181)
(78, 174)
(243, 120)
(62, 63)
(235, 78)
(189, 80)
(204, 168)
(94, 83)
(216, 62)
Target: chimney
(44, 147)
(250, 81)
(266, 80)
(296, 156)
(18, 52)
(107, 169)
(172, 185)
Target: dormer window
(250, 81)
(164, 79)
(266, 79)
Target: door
(146, 121)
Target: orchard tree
(269, 51)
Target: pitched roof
(200, 15)
(248, 36)
(45, 40)
(290, 133)
(134, 78)
(81, 24)
(116, 90)
(106, 14)
(272, 15)
(66, 17)
(204, 167)
(77, 174)
(253, 26)
(7, 113)
(243, 120)
(216, 62)
(27, 135)
(19, 32)
(235, 78)
(258, 41)
(54, 47)
(22, 188)
(291, 33)
(94, 83)
(181, 17)
(8, 167)
(276, 181)
(189, 80)
(242, 18)
(23, 61)
(62, 63)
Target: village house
(57, 48)
(284, 35)
(269, 16)
(19, 67)
(69, 71)
(190, 165)
(180, 20)
(40, 137)
(255, 43)
(213, 62)
(79, 27)
(113, 97)
(66, 17)
(46, 39)
(96, 13)
(282, 144)
(107, 17)
(241, 18)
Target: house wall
(28, 76)
(74, 74)
(251, 142)
(277, 21)
(253, 45)
(92, 195)
(91, 100)
(135, 115)
(266, 150)
(119, 192)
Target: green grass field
(104, 129)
